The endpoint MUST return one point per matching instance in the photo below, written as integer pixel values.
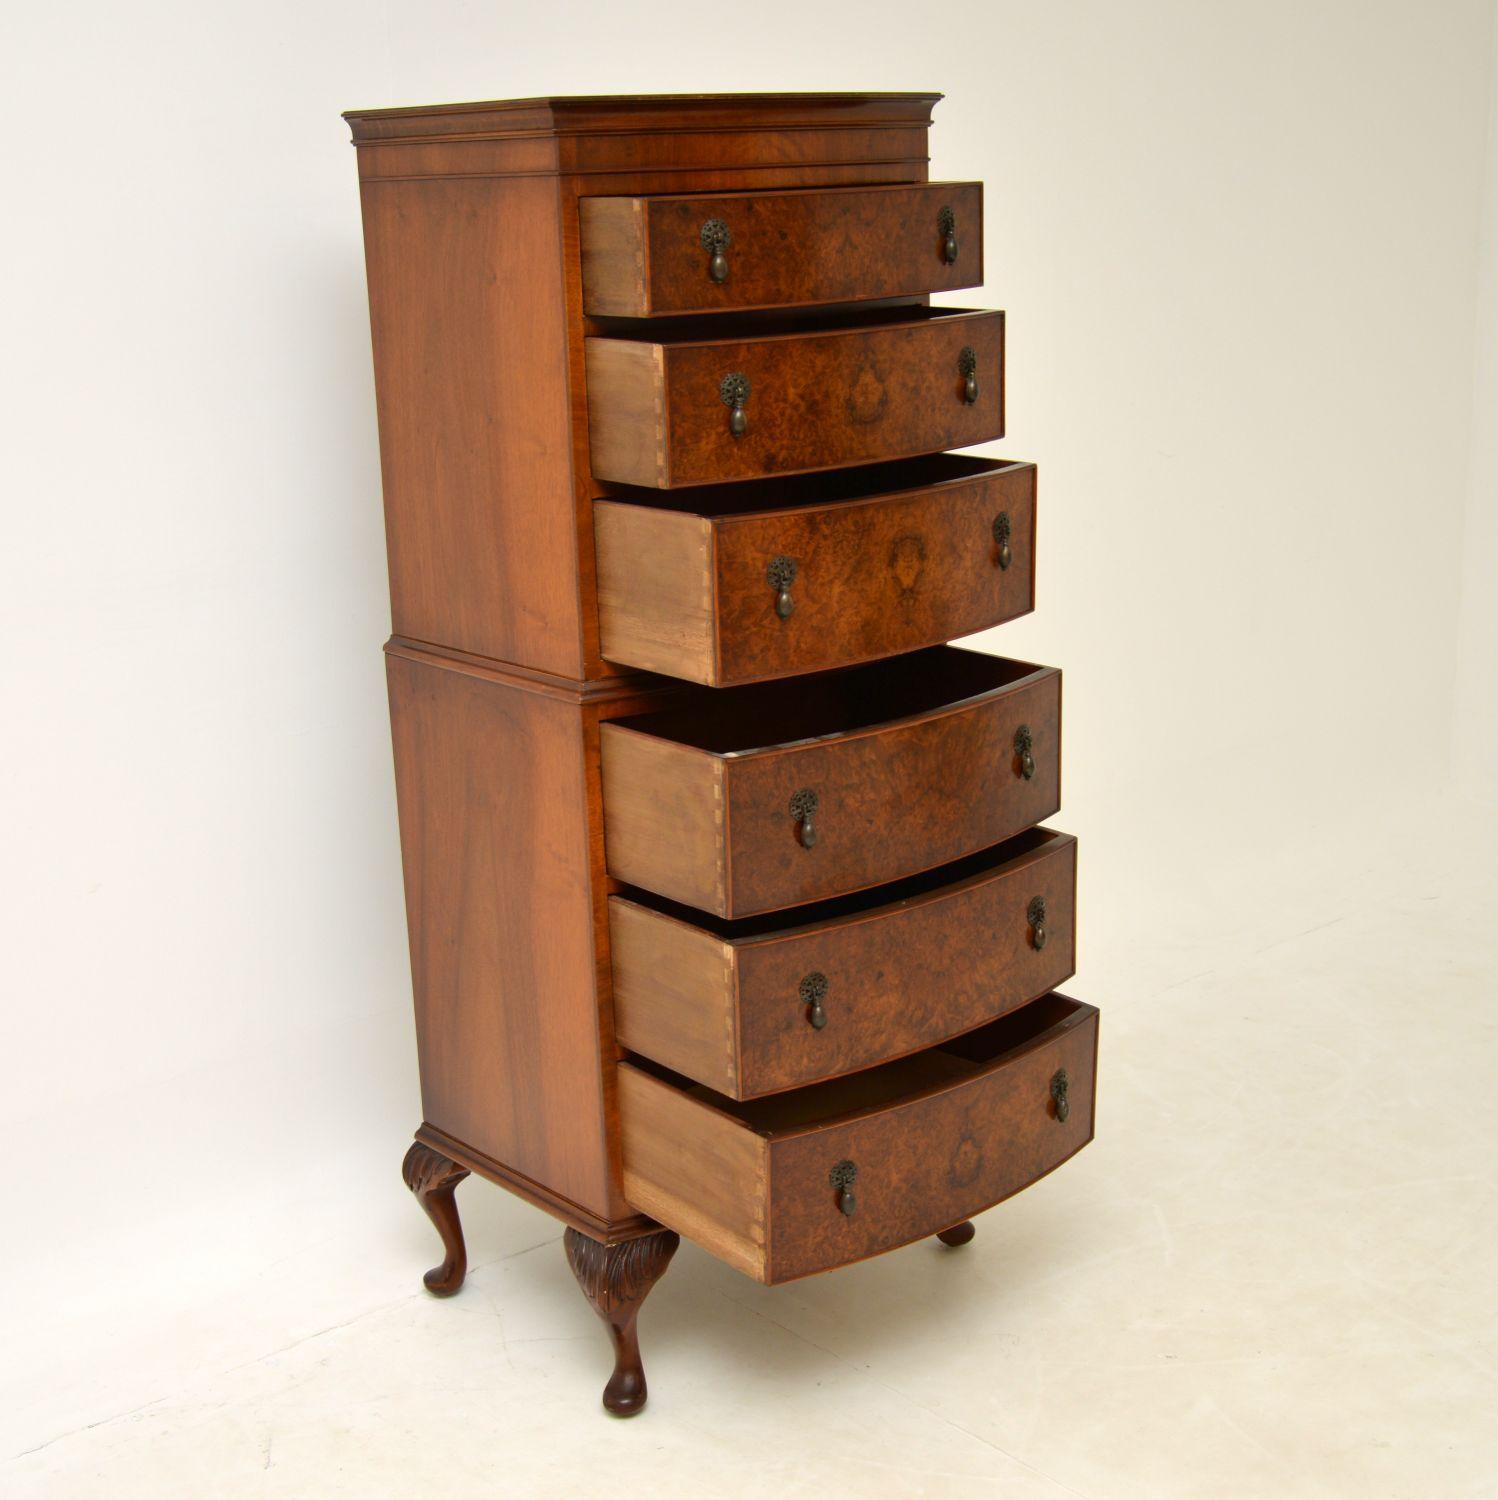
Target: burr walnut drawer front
(745, 800)
(752, 1007)
(696, 406)
(737, 583)
(697, 253)
(806, 1181)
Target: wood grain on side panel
(469, 326)
(494, 841)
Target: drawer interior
(731, 328)
(985, 1050)
(814, 491)
(734, 721)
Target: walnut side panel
(494, 842)
(694, 1169)
(655, 589)
(470, 345)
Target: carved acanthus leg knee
(616, 1279)
(432, 1177)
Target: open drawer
(802, 1182)
(666, 253)
(741, 582)
(702, 402)
(777, 1002)
(743, 800)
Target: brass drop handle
(1059, 1085)
(1035, 916)
(946, 226)
(1001, 539)
(782, 574)
(967, 367)
(716, 239)
(1024, 751)
(813, 991)
(733, 392)
(842, 1177)
(804, 810)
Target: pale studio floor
(1272, 1274)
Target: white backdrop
(1239, 248)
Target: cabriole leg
(432, 1177)
(616, 1279)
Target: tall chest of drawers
(730, 914)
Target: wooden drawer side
(627, 411)
(614, 245)
(693, 1168)
(663, 818)
(656, 607)
(674, 994)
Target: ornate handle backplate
(716, 238)
(967, 367)
(842, 1177)
(1024, 751)
(782, 574)
(733, 392)
(804, 811)
(946, 226)
(813, 991)
(1035, 916)
(1059, 1084)
(1001, 539)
